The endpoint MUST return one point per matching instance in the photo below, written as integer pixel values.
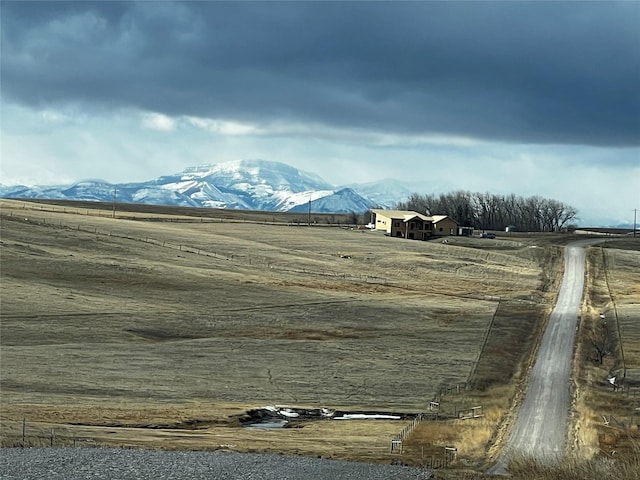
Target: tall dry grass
(597, 468)
(572, 468)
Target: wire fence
(623, 422)
(452, 389)
(36, 435)
(342, 220)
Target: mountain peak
(244, 174)
(250, 166)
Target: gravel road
(541, 426)
(125, 464)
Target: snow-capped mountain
(386, 193)
(334, 202)
(244, 184)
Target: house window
(440, 229)
(397, 224)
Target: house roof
(406, 215)
(410, 216)
(439, 218)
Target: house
(412, 225)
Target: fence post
(24, 430)
(53, 434)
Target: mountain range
(243, 184)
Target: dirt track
(541, 425)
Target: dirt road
(541, 425)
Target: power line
(115, 190)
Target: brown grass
(606, 421)
(150, 331)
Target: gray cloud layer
(544, 72)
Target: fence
(39, 436)
(435, 413)
(615, 311)
(447, 458)
(473, 412)
(455, 388)
(345, 221)
(472, 374)
(438, 457)
(629, 391)
(621, 422)
(396, 443)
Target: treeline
(489, 211)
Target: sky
(531, 98)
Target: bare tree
(602, 341)
(494, 212)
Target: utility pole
(635, 212)
(309, 215)
(113, 215)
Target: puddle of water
(271, 417)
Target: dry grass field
(607, 418)
(161, 327)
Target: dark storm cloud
(544, 72)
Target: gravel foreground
(124, 464)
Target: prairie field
(623, 278)
(606, 416)
(162, 328)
